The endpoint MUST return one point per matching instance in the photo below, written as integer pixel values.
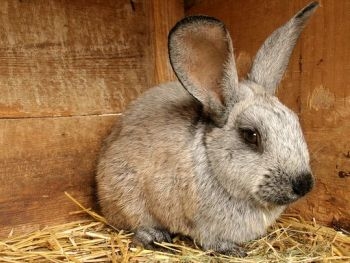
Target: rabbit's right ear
(201, 54)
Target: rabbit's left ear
(201, 55)
(272, 58)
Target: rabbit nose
(303, 184)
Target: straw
(291, 239)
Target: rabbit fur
(208, 156)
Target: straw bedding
(291, 239)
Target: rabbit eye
(251, 137)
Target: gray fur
(174, 168)
(272, 59)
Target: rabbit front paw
(227, 248)
(146, 236)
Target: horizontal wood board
(68, 69)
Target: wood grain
(325, 111)
(68, 68)
(165, 16)
(66, 58)
(40, 159)
(329, 202)
(316, 86)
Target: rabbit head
(255, 145)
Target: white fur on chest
(235, 221)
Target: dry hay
(291, 239)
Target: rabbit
(207, 156)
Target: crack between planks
(58, 116)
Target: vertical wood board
(316, 86)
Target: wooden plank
(316, 86)
(325, 85)
(165, 16)
(325, 111)
(329, 202)
(40, 158)
(66, 58)
(67, 68)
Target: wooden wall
(316, 86)
(68, 68)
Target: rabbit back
(147, 168)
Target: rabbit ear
(272, 59)
(201, 54)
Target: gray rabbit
(208, 156)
